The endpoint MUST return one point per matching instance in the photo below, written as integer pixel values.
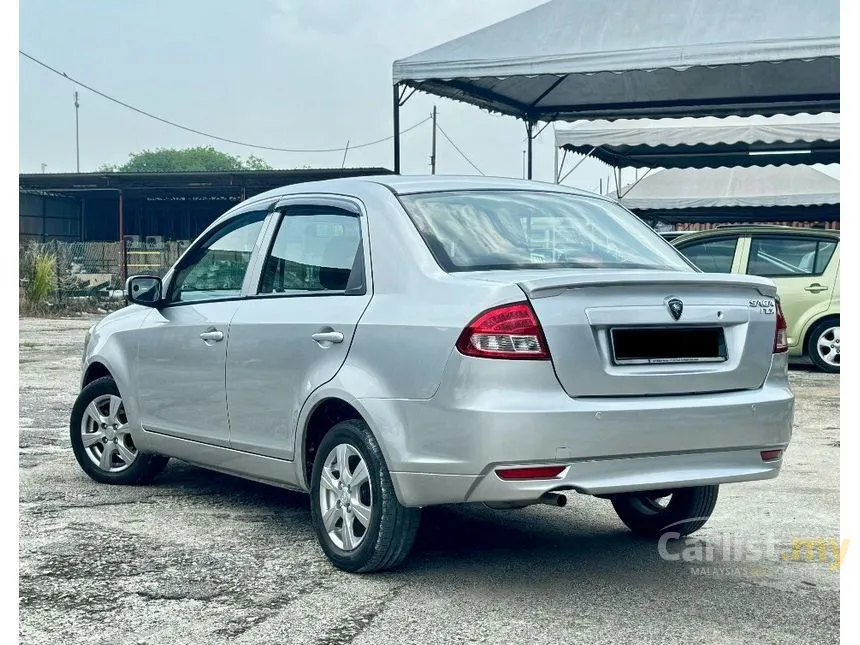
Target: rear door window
(789, 255)
(713, 255)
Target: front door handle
(815, 288)
(327, 337)
(212, 336)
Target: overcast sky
(284, 73)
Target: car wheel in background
(359, 522)
(652, 513)
(101, 439)
(822, 345)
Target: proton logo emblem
(675, 307)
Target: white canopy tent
(706, 142)
(593, 59)
(730, 188)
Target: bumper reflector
(535, 472)
(770, 455)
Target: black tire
(821, 329)
(687, 511)
(143, 468)
(391, 532)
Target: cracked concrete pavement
(200, 557)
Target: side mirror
(143, 290)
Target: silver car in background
(388, 343)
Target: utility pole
(44, 165)
(433, 146)
(77, 135)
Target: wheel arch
(319, 414)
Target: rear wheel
(101, 438)
(356, 516)
(823, 345)
(652, 513)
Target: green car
(804, 264)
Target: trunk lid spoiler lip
(545, 287)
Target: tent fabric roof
(570, 59)
(731, 188)
(706, 142)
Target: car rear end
(618, 368)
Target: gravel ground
(200, 557)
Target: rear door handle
(212, 336)
(328, 337)
(815, 288)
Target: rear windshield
(482, 230)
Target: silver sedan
(388, 343)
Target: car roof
(758, 229)
(411, 184)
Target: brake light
(509, 331)
(780, 339)
(535, 472)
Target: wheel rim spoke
(113, 409)
(330, 518)
(347, 536)
(92, 438)
(342, 456)
(107, 456)
(327, 480)
(361, 513)
(95, 414)
(359, 475)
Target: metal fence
(94, 271)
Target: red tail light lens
(509, 331)
(536, 472)
(780, 339)
(770, 455)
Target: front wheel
(823, 346)
(101, 438)
(356, 516)
(652, 513)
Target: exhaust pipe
(553, 499)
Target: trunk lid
(613, 333)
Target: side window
(216, 269)
(315, 249)
(789, 256)
(712, 256)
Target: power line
(462, 154)
(207, 134)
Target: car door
(293, 335)
(715, 254)
(804, 268)
(182, 346)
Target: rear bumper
(446, 449)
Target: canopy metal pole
(555, 170)
(529, 132)
(396, 95)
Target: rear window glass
(484, 230)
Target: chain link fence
(66, 277)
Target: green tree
(201, 158)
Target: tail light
(780, 339)
(509, 331)
(770, 455)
